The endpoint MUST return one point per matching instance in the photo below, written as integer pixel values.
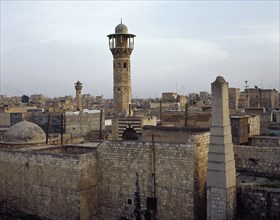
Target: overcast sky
(181, 46)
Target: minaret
(79, 103)
(221, 180)
(121, 44)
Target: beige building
(98, 180)
(234, 94)
(267, 98)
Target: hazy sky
(46, 46)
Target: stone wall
(83, 123)
(265, 121)
(54, 186)
(180, 177)
(239, 129)
(263, 97)
(88, 187)
(200, 173)
(263, 161)
(5, 120)
(264, 141)
(254, 123)
(177, 119)
(233, 94)
(169, 134)
(255, 202)
(75, 123)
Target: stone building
(234, 94)
(239, 129)
(204, 96)
(97, 180)
(267, 98)
(166, 170)
(24, 133)
(181, 119)
(243, 101)
(243, 127)
(74, 123)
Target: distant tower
(79, 103)
(221, 180)
(121, 44)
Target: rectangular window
(124, 65)
(130, 201)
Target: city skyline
(180, 46)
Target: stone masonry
(50, 185)
(180, 177)
(255, 160)
(258, 202)
(221, 181)
(79, 102)
(121, 45)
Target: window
(130, 201)
(124, 65)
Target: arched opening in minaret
(129, 134)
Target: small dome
(25, 132)
(220, 79)
(121, 28)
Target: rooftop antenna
(246, 84)
(121, 20)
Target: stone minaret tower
(79, 102)
(121, 44)
(221, 165)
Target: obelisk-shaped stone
(221, 180)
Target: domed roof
(220, 79)
(121, 28)
(25, 132)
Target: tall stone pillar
(221, 180)
(121, 44)
(79, 101)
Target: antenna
(246, 84)
(121, 20)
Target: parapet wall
(167, 134)
(263, 161)
(264, 141)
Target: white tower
(221, 180)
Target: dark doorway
(129, 134)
